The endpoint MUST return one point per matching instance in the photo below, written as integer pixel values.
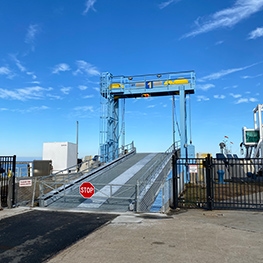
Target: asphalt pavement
(35, 236)
(179, 236)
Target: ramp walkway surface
(115, 188)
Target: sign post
(86, 190)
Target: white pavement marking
(103, 194)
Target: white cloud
(33, 109)
(32, 31)
(65, 90)
(24, 93)
(151, 106)
(6, 71)
(32, 75)
(246, 100)
(35, 82)
(89, 5)
(236, 96)
(87, 68)
(60, 68)
(241, 100)
(205, 86)
(88, 97)
(253, 99)
(32, 92)
(256, 33)
(40, 108)
(221, 97)
(54, 97)
(202, 98)
(224, 72)
(84, 108)
(165, 4)
(21, 67)
(219, 42)
(82, 87)
(229, 17)
(18, 63)
(251, 77)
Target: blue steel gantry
(114, 88)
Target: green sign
(252, 136)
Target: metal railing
(107, 156)
(7, 180)
(65, 185)
(55, 186)
(220, 183)
(153, 180)
(106, 192)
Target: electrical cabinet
(62, 154)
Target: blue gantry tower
(114, 88)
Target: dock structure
(116, 88)
(130, 183)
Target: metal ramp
(118, 185)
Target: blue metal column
(113, 127)
(183, 140)
(110, 143)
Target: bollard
(220, 176)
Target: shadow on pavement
(38, 235)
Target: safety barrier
(7, 180)
(56, 185)
(212, 183)
(149, 185)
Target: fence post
(14, 181)
(1, 208)
(10, 196)
(209, 192)
(174, 182)
(137, 194)
(34, 193)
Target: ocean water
(21, 170)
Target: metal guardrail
(63, 185)
(153, 179)
(104, 192)
(55, 186)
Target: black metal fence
(219, 183)
(7, 180)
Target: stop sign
(87, 190)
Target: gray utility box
(42, 167)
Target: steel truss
(114, 88)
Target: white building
(62, 154)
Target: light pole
(77, 141)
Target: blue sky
(52, 53)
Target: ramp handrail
(144, 184)
(58, 182)
(158, 164)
